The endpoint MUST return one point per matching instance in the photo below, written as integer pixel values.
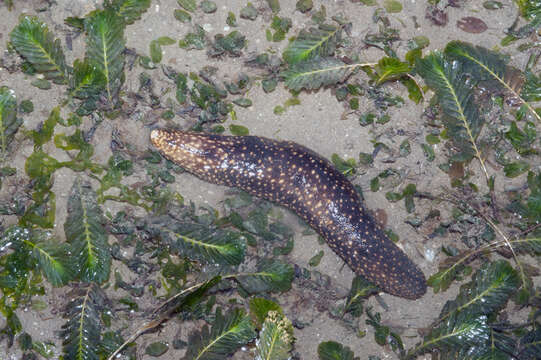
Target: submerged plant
(9, 122)
(208, 267)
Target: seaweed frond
(105, 44)
(482, 62)
(271, 275)
(317, 72)
(33, 40)
(85, 231)
(9, 122)
(275, 339)
(314, 42)
(129, 10)
(81, 332)
(201, 241)
(464, 327)
(227, 334)
(455, 94)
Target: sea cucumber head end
(167, 142)
(158, 137)
(155, 134)
(192, 151)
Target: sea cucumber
(301, 180)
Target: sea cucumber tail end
(411, 282)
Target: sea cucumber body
(299, 179)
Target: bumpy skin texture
(299, 179)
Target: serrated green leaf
(316, 72)
(360, 290)
(485, 63)
(227, 334)
(9, 123)
(531, 90)
(478, 61)
(500, 346)
(490, 289)
(201, 241)
(271, 276)
(447, 274)
(516, 168)
(105, 44)
(260, 307)
(458, 332)
(455, 95)
(85, 231)
(32, 39)
(275, 339)
(462, 329)
(331, 350)
(111, 341)
(390, 69)
(54, 261)
(315, 42)
(81, 332)
(87, 81)
(130, 10)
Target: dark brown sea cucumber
(299, 179)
